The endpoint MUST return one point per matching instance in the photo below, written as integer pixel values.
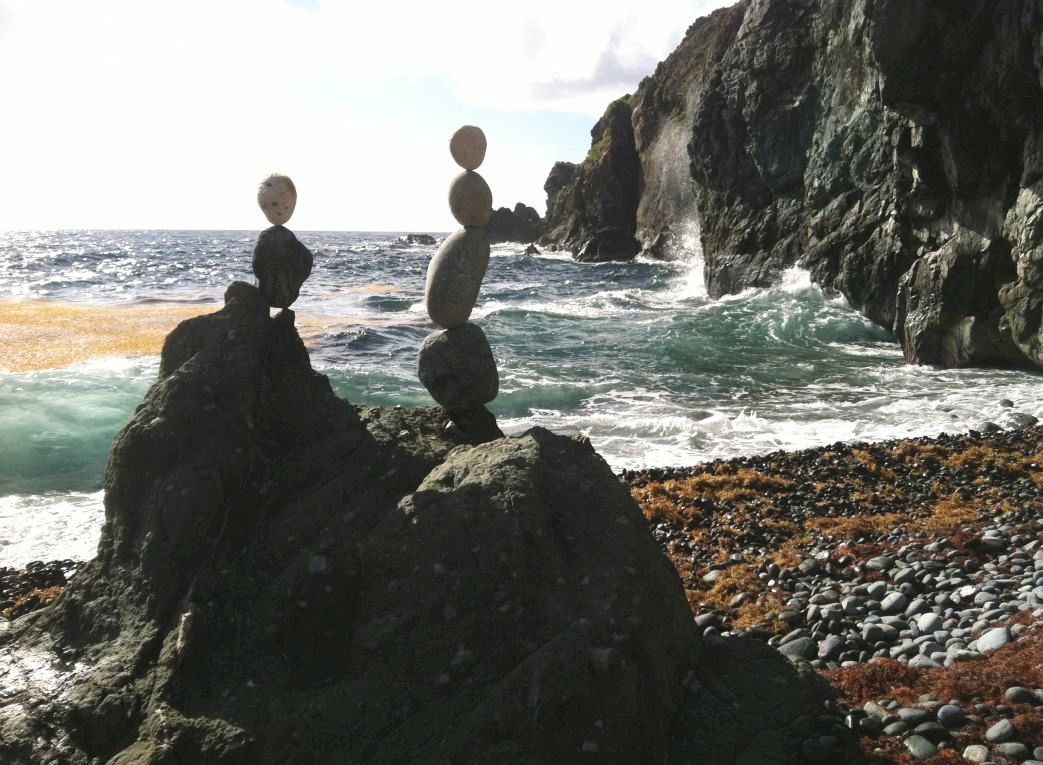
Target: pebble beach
(908, 572)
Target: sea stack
(456, 364)
(280, 262)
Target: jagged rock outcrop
(522, 225)
(892, 148)
(592, 208)
(286, 578)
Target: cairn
(456, 364)
(280, 262)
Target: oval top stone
(277, 197)
(468, 147)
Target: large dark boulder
(892, 148)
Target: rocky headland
(892, 148)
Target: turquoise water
(634, 355)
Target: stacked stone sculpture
(280, 262)
(456, 364)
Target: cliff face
(893, 148)
(592, 208)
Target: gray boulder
(457, 367)
(454, 276)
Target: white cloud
(155, 112)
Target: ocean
(634, 355)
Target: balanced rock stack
(456, 364)
(280, 262)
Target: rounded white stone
(470, 199)
(277, 197)
(468, 147)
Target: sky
(167, 113)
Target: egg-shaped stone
(468, 147)
(277, 197)
(470, 199)
(457, 368)
(281, 264)
(455, 275)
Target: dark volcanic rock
(422, 240)
(609, 244)
(592, 208)
(281, 264)
(283, 577)
(522, 224)
(893, 148)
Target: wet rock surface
(35, 586)
(283, 577)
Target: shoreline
(908, 572)
(796, 548)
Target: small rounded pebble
(976, 753)
(1002, 731)
(933, 732)
(1014, 750)
(277, 197)
(913, 716)
(994, 639)
(920, 747)
(1019, 695)
(468, 146)
(470, 199)
(951, 716)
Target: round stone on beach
(994, 639)
(277, 197)
(455, 275)
(470, 199)
(1002, 731)
(468, 147)
(281, 264)
(457, 368)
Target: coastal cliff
(894, 149)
